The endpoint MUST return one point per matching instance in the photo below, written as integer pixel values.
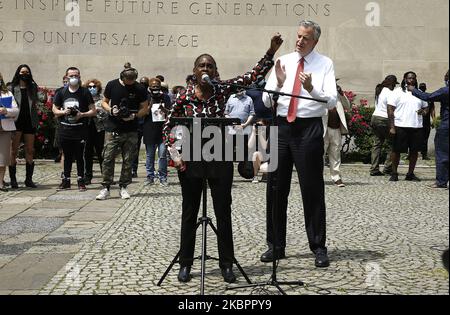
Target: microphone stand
(273, 186)
(274, 93)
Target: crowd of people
(130, 111)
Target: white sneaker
(124, 193)
(103, 195)
(255, 180)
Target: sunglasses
(92, 86)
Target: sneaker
(65, 184)
(134, 174)
(88, 180)
(255, 180)
(394, 177)
(437, 186)
(412, 178)
(103, 195)
(264, 178)
(149, 181)
(387, 172)
(339, 183)
(163, 183)
(124, 193)
(81, 185)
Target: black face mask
(25, 77)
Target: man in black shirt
(122, 100)
(72, 106)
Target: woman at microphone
(206, 97)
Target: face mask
(74, 81)
(93, 91)
(25, 77)
(446, 83)
(66, 84)
(240, 94)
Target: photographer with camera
(122, 100)
(72, 106)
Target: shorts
(407, 139)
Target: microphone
(207, 79)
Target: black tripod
(273, 188)
(204, 221)
(273, 281)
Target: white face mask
(74, 81)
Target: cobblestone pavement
(383, 238)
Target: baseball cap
(392, 78)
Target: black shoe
(412, 178)
(264, 178)
(394, 177)
(65, 184)
(425, 157)
(29, 176)
(185, 274)
(268, 255)
(322, 260)
(228, 275)
(58, 158)
(378, 173)
(87, 180)
(134, 174)
(387, 172)
(81, 185)
(12, 176)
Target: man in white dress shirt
(300, 141)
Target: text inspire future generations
(116, 10)
(194, 8)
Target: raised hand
(281, 73)
(275, 44)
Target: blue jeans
(162, 161)
(441, 145)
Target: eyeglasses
(92, 86)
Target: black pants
(95, 140)
(191, 188)
(300, 144)
(73, 150)
(426, 135)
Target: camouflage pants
(124, 143)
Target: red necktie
(292, 112)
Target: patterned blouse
(188, 105)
